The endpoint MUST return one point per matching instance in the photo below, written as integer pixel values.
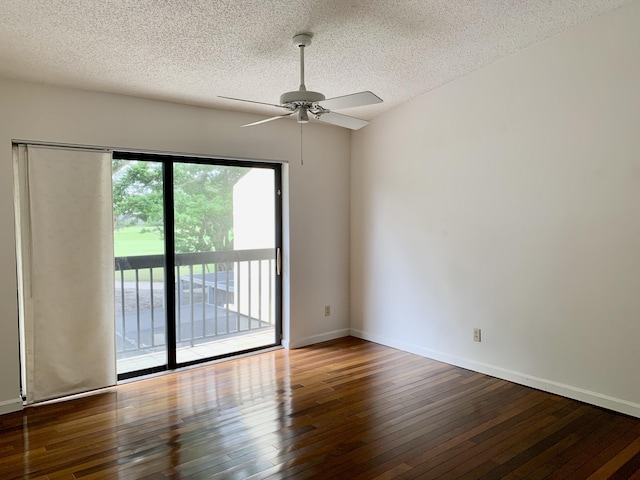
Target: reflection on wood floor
(201, 352)
(345, 409)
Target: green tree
(203, 200)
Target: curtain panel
(66, 270)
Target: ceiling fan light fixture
(303, 116)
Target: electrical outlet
(327, 310)
(477, 335)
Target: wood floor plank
(628, 455)
(432, 446)
(344, 409)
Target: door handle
(278, 262)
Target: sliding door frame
(167, 162)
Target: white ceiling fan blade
(269, 119)
(251, 101)
(343, 120)
(349, 101)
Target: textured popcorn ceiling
(191, 51)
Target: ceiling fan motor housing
(301, 98)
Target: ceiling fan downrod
(302, 41)
(301, 99)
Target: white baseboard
(9, 406)
(321, 337)
(594, 398)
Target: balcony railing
(217, 295)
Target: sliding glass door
(197, 260)
(139, 248)
(224, 259)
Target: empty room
(319, 239)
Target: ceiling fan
(304, 102)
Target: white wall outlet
(327, 310)
(477, 335)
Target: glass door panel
(138, 206)
(224, 260)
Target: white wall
(254, 227)
(253, 210)
(510, 200)
(316, 255)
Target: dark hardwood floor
(345, 409)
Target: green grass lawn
(131, 241)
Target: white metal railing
(217, 294)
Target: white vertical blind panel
(69, 304)
(22, 229)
